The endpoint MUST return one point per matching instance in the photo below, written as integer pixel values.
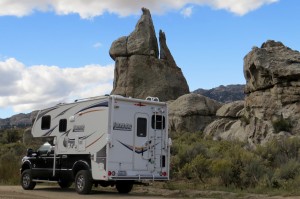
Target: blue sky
(56, 51)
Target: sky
(54, 51)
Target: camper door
(141, 136)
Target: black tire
(26, 180)
(124, 186)
(64, 184)
(83, 182)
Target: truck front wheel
(83, 182)
(26, 180)
(124, 186)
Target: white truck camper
(107, 141)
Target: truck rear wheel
(26, 180)
(83, 182)
(124, 186)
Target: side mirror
(29, 152)
(54, 141)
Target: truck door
(141, 142)
(43, 166)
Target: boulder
(138, 70)
(228, 123)
(191, 113)
(231, 110)
(118, 48)
(270, 65)
(272, 102)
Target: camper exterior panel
(137, 147)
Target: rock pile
(272, 103)
(139, 72)
(228, 123)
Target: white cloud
(97, 45)
(240, 7)
(187, 12)
(35, 87)
(91, 8)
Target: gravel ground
(54, 192)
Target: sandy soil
(54, 192)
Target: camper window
(159, 123)
(46, 122)
(62, 125)
(141, 127)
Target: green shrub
(253, 170)
(11, 136)
(10, 171)
(187, 171)
(288, 170)
(233, 165)
(277, 152)
(200, 167)
(282, 125)
(222, 168)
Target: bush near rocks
(12, 149)
(282, 125)
(233, 164)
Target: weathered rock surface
(165, 53)
(138, 70)
(272, 64)
(232, 110)
(191, 113)
(228, 122)
(142, 41)
(272, 103)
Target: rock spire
(139, 72)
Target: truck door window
(160, 122)
(46, 122)
(62, 125)
(141, 127)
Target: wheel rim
(26, 180)
(80, 182)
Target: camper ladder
(163, 144)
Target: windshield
(46, 147)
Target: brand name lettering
(122, 126)
(78, 128)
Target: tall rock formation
(139, 72)
(272, 74)
(272, 103)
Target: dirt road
(54, 192)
